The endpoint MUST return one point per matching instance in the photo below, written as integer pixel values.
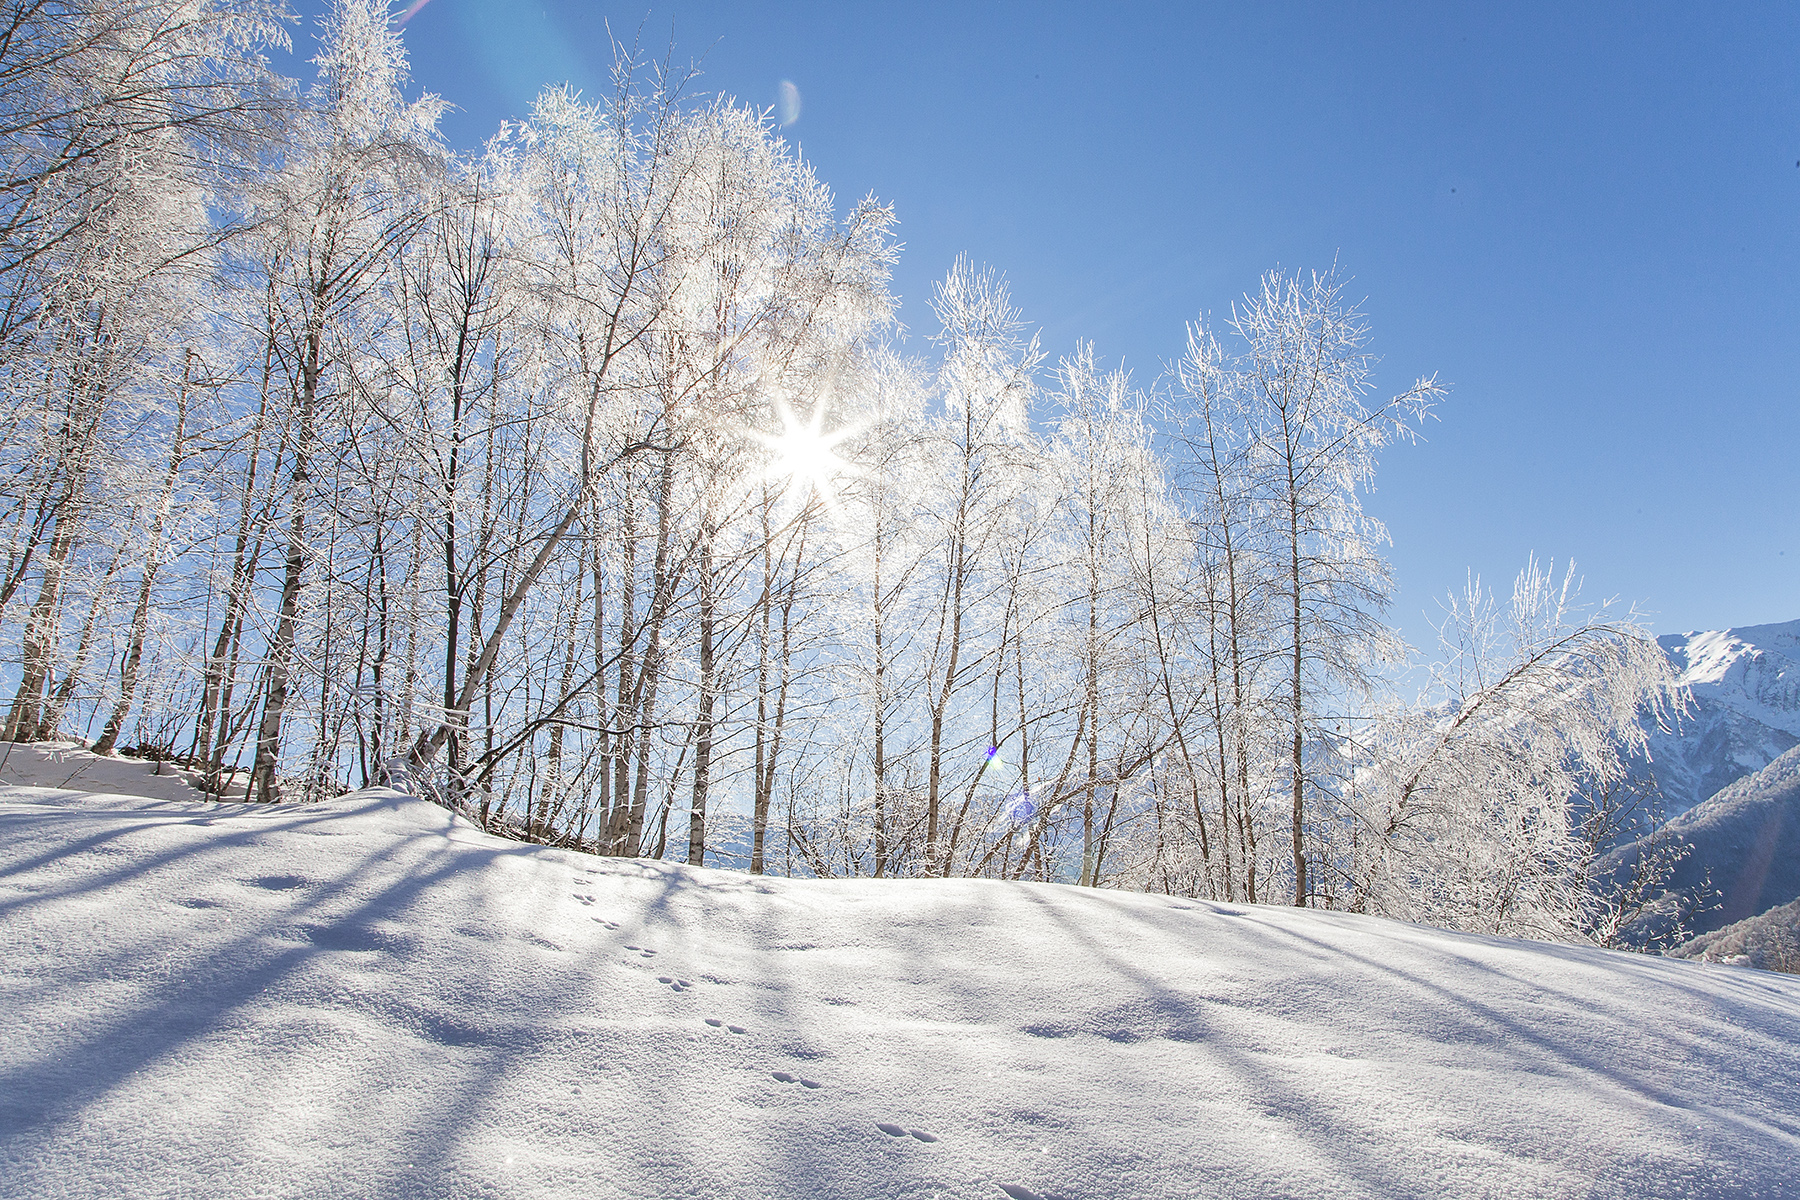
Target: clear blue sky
(1585, 218)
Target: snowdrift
(371, 998)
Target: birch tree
(1305, 374)
(1475, 820)
(344, 209)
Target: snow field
(372, 998)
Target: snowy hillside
(370, 998)
(1769, 940)
(1740, 856)
(1746, 688)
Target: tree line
(586, 484)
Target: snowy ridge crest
(1745, 684)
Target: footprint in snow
(604, 924)
(1025, 1193)
(587, 900)
(899, 1131)
(784, 1077)
(675, 985)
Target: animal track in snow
(718, 1024)
(588, 900)
(900, 1131)
(1025, 1193)
(785, 1077)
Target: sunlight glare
(803, 454)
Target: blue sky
(1584, 218)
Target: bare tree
(1475, 821)
(1305, 375)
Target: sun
(804, 455)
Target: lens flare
(1020, 807)
(787, 102)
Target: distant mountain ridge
(1739, 857)
(1745, 684)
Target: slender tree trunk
(221, 665)
(662, 589)
(264, 786)
(1298, 696)
(1090, 865)
(553, 760)
(759, 800)
(880, 714)
(140, 616)
(703, 724)
(26, 722)
(935, 775)
(625, 712)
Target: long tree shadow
(487, 992)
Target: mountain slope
(1746, 688)
(1740, 855)
(370, 998)
(1769, 940)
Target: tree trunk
(264, 786)
(703, 724)
(140, 616)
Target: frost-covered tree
(1305, 380)
(986, 384)
(345, 202)
(1472, 812)
(101, 103)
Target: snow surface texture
(371, 998)
(1746, 688)
(1741, 855)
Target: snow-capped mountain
(1746, 711)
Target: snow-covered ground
(371, 998)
